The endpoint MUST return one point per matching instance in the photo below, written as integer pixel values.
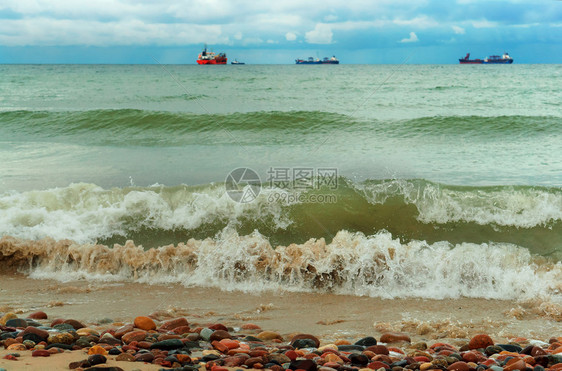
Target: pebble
(172, 324)
(6, 317)
(61, 338)
(311, 340)
(174, 345)
(129, 337)
(367, 341)
(269, 335)
(393, 337)
(16, 322)
(63, 327)
(206, 334)
(74, 323)
(125, 357)
(144, 323)
(480, 342)
(40, 353)
(38, 315)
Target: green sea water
(454, 155)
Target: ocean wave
(125, 127)
(515, 206)
(375, 265)
(526, 216)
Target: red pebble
(181, 330)
(57, 322)
(378, 349)
(220, 347)
(480, 341)
(421, 359)
(218, 326)
(38, 315)
(10, 357)
(173, 323)
(291, 354)
(473, 357)
(377, 364)
(258, 353)
(40, 353)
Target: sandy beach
(329, 317)
(326, 315)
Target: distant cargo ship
(311, 60)
(206, 57)
(493, 59)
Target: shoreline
(320, 313)
(331, 318)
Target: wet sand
(328, 316)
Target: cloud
(353, 23)
(458, 30)
(417, 22)
(412, 39)
(290, 36)
(45, 31)
(322, 34)
(483, 23)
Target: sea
(390, 181)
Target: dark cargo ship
(493, 59)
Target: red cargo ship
(206, 57)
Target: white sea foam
(85, 212)
(523, 207)
(352, 264)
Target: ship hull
(474, 61)
(510, 61)
(211, 61)
(317, 62)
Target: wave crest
(352, 264)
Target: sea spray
(353, 264)
(529, 217)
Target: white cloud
(322, 34)
(184, 22)
(290, 36)
(458, 30)
(417, 22)
(483, 23)
(45, 31)
(412, 39)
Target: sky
(278, 31)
